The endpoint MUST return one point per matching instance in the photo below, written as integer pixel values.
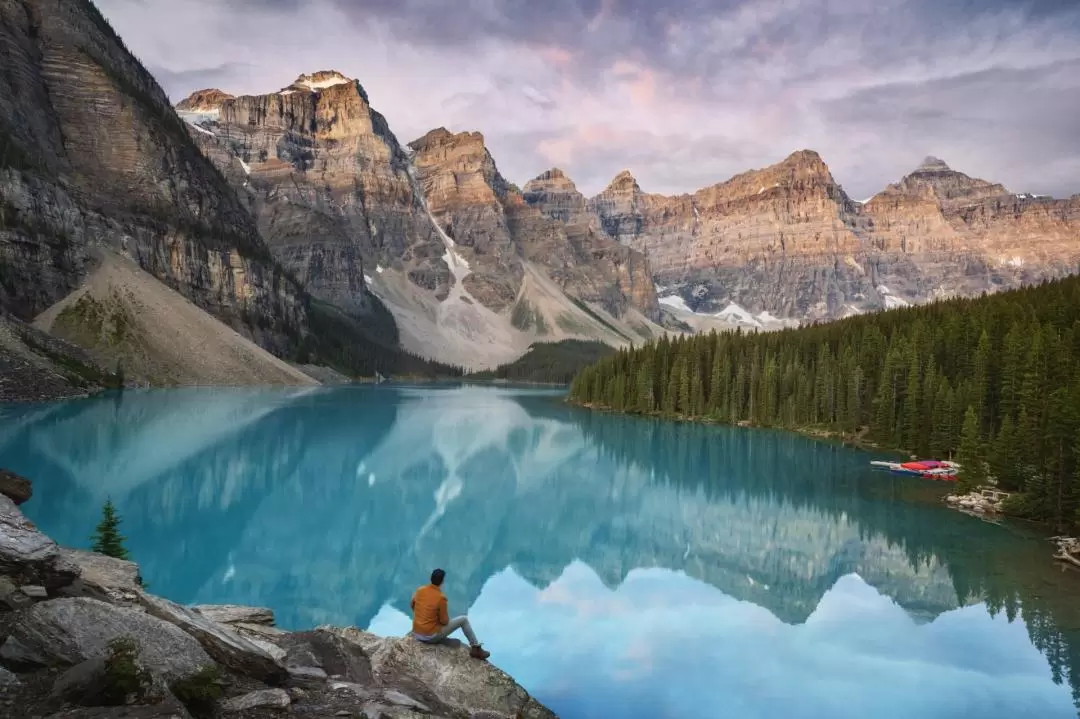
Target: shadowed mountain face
(91, 154)
(332, 505)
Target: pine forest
(992, 382)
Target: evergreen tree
(970, 453)
(106, 538)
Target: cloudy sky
(684, 93)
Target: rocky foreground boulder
(81, 639)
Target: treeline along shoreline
(992, 381)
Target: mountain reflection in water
(615, 566)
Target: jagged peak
(622, 181)
(554, 175)
(804, 156)
(933, 164)
(321, 80)
(207, 99)
(442, 136)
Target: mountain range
(299, 220)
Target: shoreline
(974, 503)
(79, 633)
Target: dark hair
(437, 576)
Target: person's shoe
(478, 652)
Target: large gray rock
(89, 684)
(235, 614)
(169, 709)
(225, 646)
(329, 653)
(27, 556)
(69, 631)
(105, 573)
(7, 679)
(14, 487)
(262, 699)
(435, 675)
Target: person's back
(431, 620)
(430, 613)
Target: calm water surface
(615, 566)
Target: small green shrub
(124, 678)
(199, 691)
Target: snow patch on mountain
(736, 314)
(676, 302)
(891, 301)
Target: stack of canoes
(925, 468)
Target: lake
(615, 566)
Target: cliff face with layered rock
(787, 242)
(80, 636)
(503, 230)
(471, 272)
(327, 181)
(92, 154)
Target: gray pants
(456, 623)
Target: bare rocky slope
(472, 274)
(81, 637)
(93, 155)
(127, 319)
(787, 242)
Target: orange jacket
(430, 612)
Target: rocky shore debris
(1068, 550)
(982, 501)
(80, 637)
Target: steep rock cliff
(327, 181)
(787, 241)
(92, 154)
(471, 272)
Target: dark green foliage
(124, 678)
(107, 539)
(362, 347)
(970, 454)
(905, 379)
(199, 692)
(554, 362)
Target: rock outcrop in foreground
(79, 637)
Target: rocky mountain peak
(320, 80)
(933, 164)
(208, 100)
(948, 186)
(441, 136)
(553, 178)
(623, 181)
(555, 195)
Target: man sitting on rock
(431, 621)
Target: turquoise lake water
(616, 567)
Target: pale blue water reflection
(616, 567)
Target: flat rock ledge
(75, 626)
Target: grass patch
(199, 692)
(524, 317)
(77, 372)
